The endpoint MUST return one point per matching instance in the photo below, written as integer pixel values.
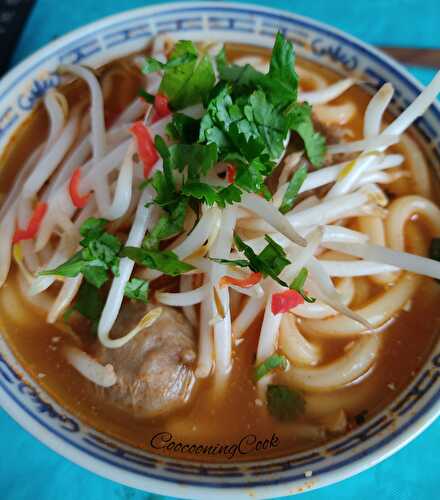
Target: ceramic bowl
(411, 411)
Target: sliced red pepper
(145, 146)
(33, 226)
(161, 107)
(251, 280)
(231, 172)
(284, 301)
(78, 200)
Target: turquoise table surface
(29, 470)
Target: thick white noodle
(351, 365)
(295, 346)
(376, 312)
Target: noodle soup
(230, 367)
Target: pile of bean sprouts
(314, 232)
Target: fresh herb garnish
(299, 117)
(183, 128)
(169, 224)
(89, 303)
(298, 285)
(165, 261)
(270, 261)
(188, 78)
(137, 289)
(188, 55)
(293, 188)
(99, 255)
(272, 362)
(146, 96)
(284, 403)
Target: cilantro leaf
(183, 128)
(231, 262)
(152, 65)
(70, 268)
(89, 303)
(293, 188)
(167, 226)
(298, 284)
(188, 82)
(281, 83)
(228, 195)
(137, 289)
(284, 403)
(272, 362)
(202, 191)
(100, 254)
(167, 262)
(270, 262)
(245, 75)
(299, 117)
(146, 96)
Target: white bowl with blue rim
(412, 410)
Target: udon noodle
(356, 238)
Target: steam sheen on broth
(344, 373)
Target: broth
(38, 345)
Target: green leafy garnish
(270, 262)
(272, 362)
(168, 226)
(188, 78)
(152, 65)
(246, 76)
(89, 303)
(281, 83)
(146, 96)
(99, 255)
(298, 284)
(293, 188)
(183, 128)
(299, 117)
(137, 289)
(284, 403)
(165, 261)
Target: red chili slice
(284, 301)
(33, 226)
(80, 201)
(145, 146)
(231, 173)
(251, 280)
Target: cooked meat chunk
(154, 373)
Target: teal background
(29, 470)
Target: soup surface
(239, 414)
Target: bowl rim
(412, 428)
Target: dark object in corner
(13, 17)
